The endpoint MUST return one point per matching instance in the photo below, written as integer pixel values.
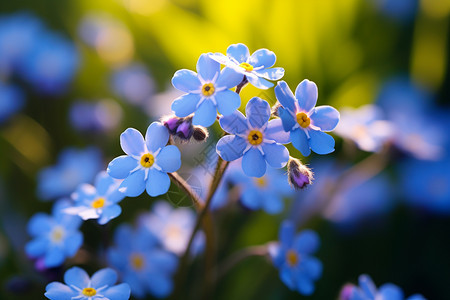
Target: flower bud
(346, 291)
(172, 123)
(185, 130)
(299, 175)
(200, 133)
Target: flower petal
(262, 57)
(275, 131)
(57, 291)
(272, 204)
(169, 159)
(287, 233)
(313, 267)
(132, 142)
(118, 292)
(231, 147)
(307, 242)
(120, 167)
(300, 141)
(54, 257)
(286, 117)
(253, 163)
(185, 105)
(367, 285)
(109, 213)
(305, 285)
(285, 96)
(156, 137)
(251, 198)
(258, 112)
(229, 78)
(77, 277)
(227, 102)
(239, 52)
(276, 155)
(235, 123)
(207, 68)
(73, 243)
(325, 117)
(102, 182)
(287, 277)
(133, 185)
(36, 247)
(159, 286)
(320, 142)
(390, 291)
(206, 114)
(306, 94)
(271, 74)
(158, 183)
(186, 81)
(259, 82)
(103, 277)
(39, 223)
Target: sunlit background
(75, 74)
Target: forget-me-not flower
(207, 91)
(256, 67)
(55, 237)
(305, 122)
(147, 162)
(99, 201)
(254, 138)
(80, 286)
(293, 257)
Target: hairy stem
(187, 188)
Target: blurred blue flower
(51, 64)
(368, 291)
(257, 67)
(80, 286)
(293, 257)
(145, 267)
(98, 116)
(173, 227)
(74, 167)
(147, 162)
(255, 139)
(207, 92)
(400, 10)
(12, 99)
(99, 202)
(133, 83)
(55, 237)
(306, 123)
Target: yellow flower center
(57, 234)
(292, 258)
(303, 120)
(147, 160)
(255, 137)
(89, 292)
(98, 203)
(137, 261)
(248, 67)
(208, 89)
(261, 182)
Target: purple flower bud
(299, 175)
(200, 134)
(172, 123)
(185, 130)
(346, 291)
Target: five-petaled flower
(207, 92)
(147, 161)
(257, 67)
(80, 287)
(254, 138)
(305, 122)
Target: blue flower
(368, 291)
(133, 83)
(293, 257)
(257, 67)
(173, 227)
(95, 117)
(264, 193)
(55, 237)
(305, 122)
(145, 267)
(254, 138)
(81, 287)
(99, 202)
(207, 91)
(11, 101)
(74, 167)
(147, 161)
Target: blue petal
(39, 223)
(185, 105)
(121, 166)
(103, 277)
(391, 292)
(320, 142)
(259, 82)
(305, 285)
(307, 242)
(227, 102)
(367, 285)
(231, 147)
(73, 243)
(285, 96)
(276, 155)
(207, 68)
(58, 291)
(133, 185)
(136, 284)
(118, 292)
(287, 119)
(251, 198)
(103, 182)
(253, 163)
(235, 123)
(287, 277)
(186, 81)
(313, 267)
(54, 257)
(229, 78)
(287, 233)
(325, 117)
(156, 137)
(300, 141)
(77, 277)
(272, 204)
(158, 183)
(206, 114)
(306, 94)
(416, 297)
(258, 112)
(36, 247)
(164, 261)
(271, 74)
(169, 159)
(262, 57)
(159, 286)
(275, 131)
(109, 213)
(132, 142)
(239, 52)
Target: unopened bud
(299, 175)
(172, 123)
(185, 130)
(347, 291)
(200, 133)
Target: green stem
(187, 188)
